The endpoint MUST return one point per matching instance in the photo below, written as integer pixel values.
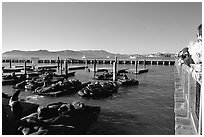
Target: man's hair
(200, 30)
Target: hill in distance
(71, 54)
(45, 54)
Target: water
(146, 109)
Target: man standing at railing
(192, 55)
(195, 50)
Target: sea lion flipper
(15, 95)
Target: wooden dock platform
(139, 71)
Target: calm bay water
(144, 109)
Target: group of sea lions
(29, 84)
(59, 119)
(35, 82)
(54, 119)
(12, 79)
(107, 76)
(99, 90)
(61, 87)
(49, 85)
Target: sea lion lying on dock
(49, 111)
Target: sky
(117, 27)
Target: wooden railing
(192, 93)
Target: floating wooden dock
(76, 67)
(101, 69)
(139, 71)
(10, 70)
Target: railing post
(188, 93)
(200, 117)
(191, 94)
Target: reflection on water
(134, 110)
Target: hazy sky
(118, 27)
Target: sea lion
(61, 130)
(40, 132)
(15, 105)
(78, 105)
(49, 111)
(63, 120)
(62, 109)
(20, 85)
(32, 118)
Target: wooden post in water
(86, 64)
(66, 68)
(94, 68)
(116, 65)
(114, 71)
(61, 66)
(144, 63)
(135, 66)
(25, 68)
(10, 63)
(58, 62)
